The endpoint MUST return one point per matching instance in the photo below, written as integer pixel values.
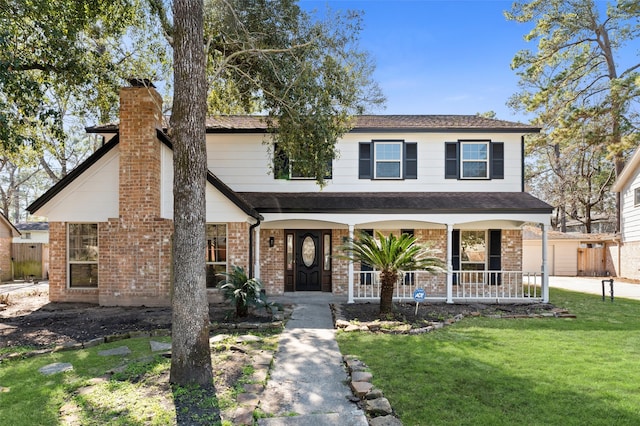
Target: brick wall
(272, 261)
(511, 250)
(630, 260)
(339, 267)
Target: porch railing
(467, 286)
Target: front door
(311, 267)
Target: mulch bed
(433, 312)
(59, 323)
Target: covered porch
(477, 235)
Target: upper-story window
(474, 159)
(388, 159)
(636, 197)
(291, 169)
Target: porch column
(256, 258)
(350, 271)
(545, 274)
(449, 263)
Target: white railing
(467, 286)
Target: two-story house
(455, 182)
(628, 185)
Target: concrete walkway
(308, 379)
(593, 285)
(20, 287)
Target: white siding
(219, 208)
(92, 197)
(243, 163)
(630, 220)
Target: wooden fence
(30, 261)
(591, 262)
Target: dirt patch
(31, 320)
(428, 312)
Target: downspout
(251, 228)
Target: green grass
(135, 392)
(539, 371)
(36, 399)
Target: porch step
(331, 419)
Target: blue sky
(440, 57)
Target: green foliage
(583, 96)
(58, 56)
(390, 255)
(244, 292)
(306, 74)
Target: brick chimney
(135, 248)
(140, 117)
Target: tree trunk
(191, 355)
(387, 282)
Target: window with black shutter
(474, 159)
(388, 159)
(288, 169)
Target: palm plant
(242, 291)
(391, 255)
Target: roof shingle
(396, 202)
(258, 123)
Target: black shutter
(365, 267)
(497, 160)
(495, 253)
(411, 160)
(365, 161)
(455, 253)
(451, 160)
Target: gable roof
(14, 231)
(396, 202)
(104, 149)
(627, 172)
(364, 123)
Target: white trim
(400, 159)
(68, 260)
(487, 145)
(545, 274)
(449, 263)
(350, 271)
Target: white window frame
(226, 257)
(82, 262)
(377, 160)
(464, 160)
(636, 197)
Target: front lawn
(538, 371)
